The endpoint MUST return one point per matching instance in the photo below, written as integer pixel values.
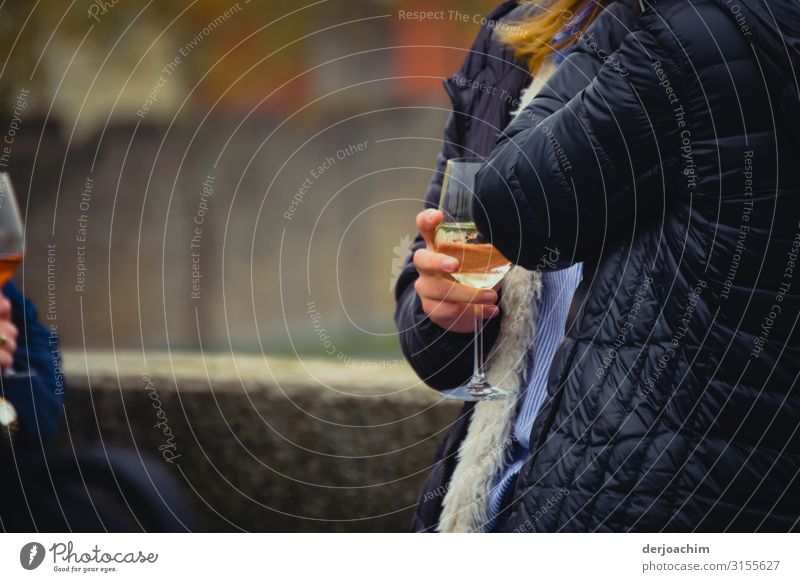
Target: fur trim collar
(482, 453)
(483, 450)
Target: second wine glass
(12, 233)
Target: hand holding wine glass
(469, 259)
(447, 303)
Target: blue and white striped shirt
(552, 308)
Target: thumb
(427, 221)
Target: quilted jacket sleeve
(444, 359)
(587, 174)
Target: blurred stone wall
(253, 237)
(267, 444)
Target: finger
(5, 307)
(442, 311)
(426, 260)
(427, 221)
(483, 311)
(9, 333)
(441, 289)
(9, 330)
(6, 359)
(446, 313)
(487, 311)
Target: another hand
(448, 304)
(8, 334)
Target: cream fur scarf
(481, 455)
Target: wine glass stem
(478, 375)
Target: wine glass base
(476, 393)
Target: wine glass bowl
(12, 233)
(481, 265)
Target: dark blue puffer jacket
(444, 359)
(674, 403)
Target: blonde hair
(532, 39)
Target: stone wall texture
(266, 444)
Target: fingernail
(491, 312)
(489, 297)
(450, 264)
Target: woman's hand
(448, 304)
(8, 334)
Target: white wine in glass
(481, 265)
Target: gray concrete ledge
(267, 444)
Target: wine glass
(481, 266)
(12, 234)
